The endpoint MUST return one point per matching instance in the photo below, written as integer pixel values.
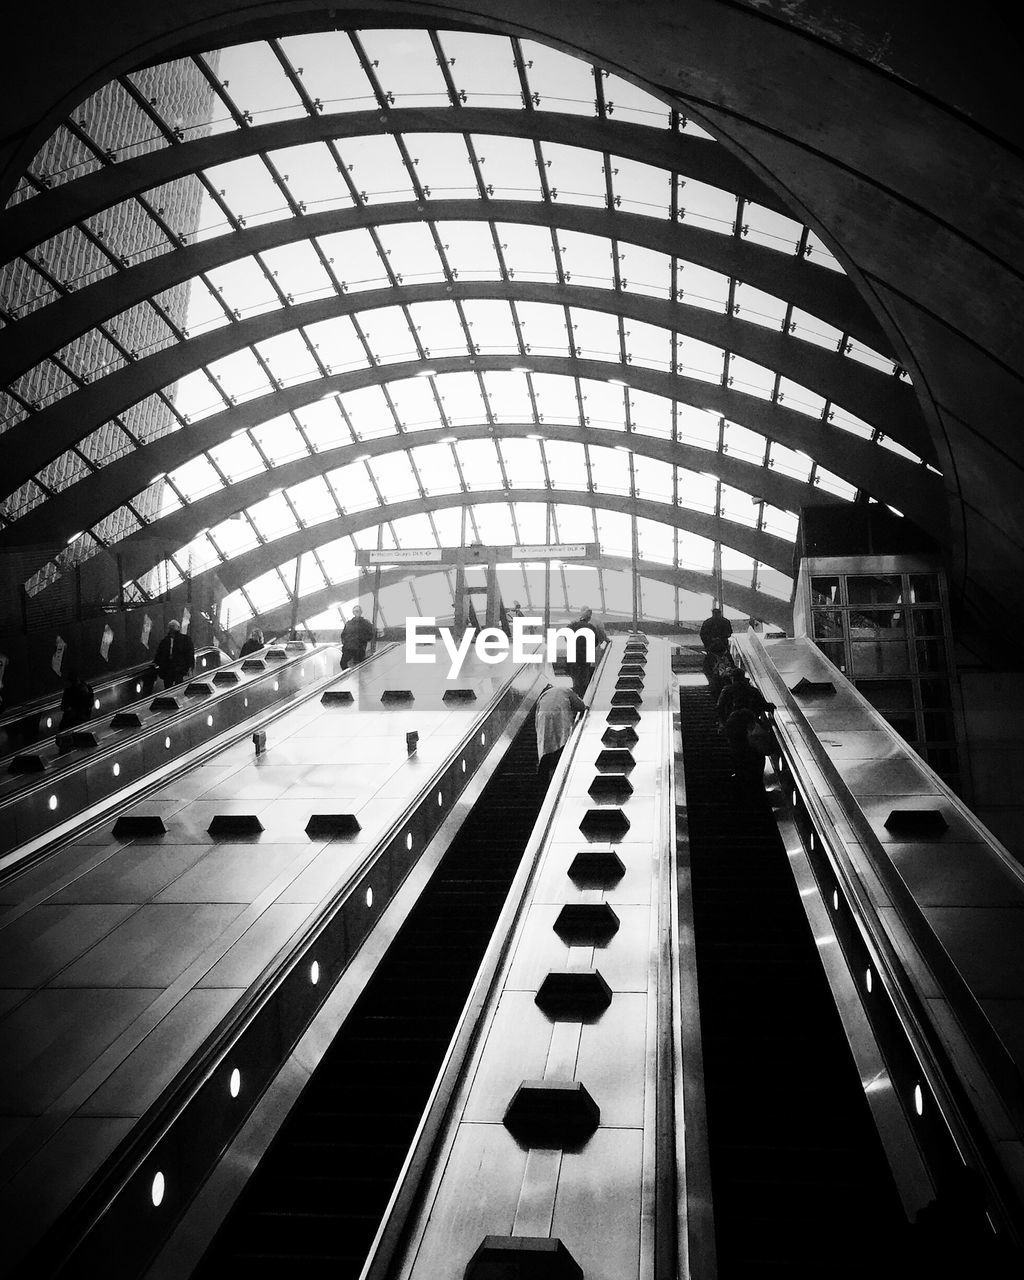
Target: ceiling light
(329, 395)
(73, 537)
(447, 440)
(616, 382)
(521, 368)
(426, 373)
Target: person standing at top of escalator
(76, 703)
(715, 628)
(175, 655)
(577, 665)
(253, 644)
(356, 634)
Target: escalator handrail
(924, 1036)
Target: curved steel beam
(33, 221)
(887, 402)
(766, 548)
(884, 475)
(825, 293)
(56, 519)
(755, 604)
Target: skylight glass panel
(773, 583)
(759, 307)
(651, 415)
(234, 610)
(439, 328)
(523, 464)
(240, 375)
(491, 327)
(820, 255)
(338, 344)
(280, 440)
(194, 478)
(640, 188)
(198, 555)
(566, 463)
(415, 531)
(323, 424)
(556, 397)
(653, 479)
(289, 358)
(741, 442)
(257, 83)
(739, 506)
(587, 259)
(469, 248)
(310, 173)
(575, 524)
(697, 491)
(413, 399)
(237, 458)
(595, 334)
(244, 287)
(697, 426)
(313, 501)
(338, 558)
(376, 167)
(834, 484)
(494, 523)
(368, 412)
(609, 469)
(543, 328)
(508, 166)
(645, 271)
(234, 536)
(508, 396)
(867, 355)
(299, 272)
(575, 175)
(531, 518)
(657, 541)
(603, 402)
(694, 551)
(563, 82)
(839, 417)
(442, 164)
(648, 345)
(894, 446)
(740, 566)
(482, 67)
(783, 524)
(750, 378)
(706, 206)
(311, 576)
(479, 462)
(614, 533)
(812, 329)
(411, 252)
(406, 67)
(354, 258)
(330, 70)
(267, 591)
(436, 468)
(387, 332)
(273, 517)
(460, 397)
(394, 476)
(448, 525)
(763, 226)
(699, 286)
(790, 462)
(802, 398)
(628, 102)
(698, 359)
(248, 190)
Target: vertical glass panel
(874, 589)
(924, 588)
(825, 590)
(931, 655)
(835, 651)
(828, 624)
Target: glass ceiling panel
(395, 478)
(574, 174)
(656, 541)
(479, 460)
(353, 486)
(249, 192)
(653, 479)
(244, 286)
(299, 272)
(595, 334)
(508, 165)
(436, 468)
(406, 66)
(625, 101)
(257, 83)
(469, 248)
(740, 442)
(508, 394)
(338, 343)
(280, 440)
(311, 174)
(234, 536)
(603, 402)
(651, 415)
(354, 258)
(440, 328)
(556, 397)
(614, 533)
(330, 70)
(490, 325)
(460, 397)
(482, 68)
(273, 517)
(237, 458)
(543, 328)
(289, 358)
(587, 259)
(410, 251)
(414, 403)
(609, 469)
(523, 464)
(739, 506)
(640, 188)
(442, 164)
(376, 167)
(528, 251)
(697, 490)
(648, 345)
(564, 83)
(387, 331)
(759, 307)
(763, 226)
(494, 522)
(706, 206)
(646, 271)
(313, 501)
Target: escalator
(800, 1183)
(318, 1196)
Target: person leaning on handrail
(579, 669)
(555, 714)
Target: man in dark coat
(356, 634)
(76, 702)
(253, 644)
(715, 628)
(175, 655)
(576, 664)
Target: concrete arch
(755, 604)
(816, 289)
(44, 435)
(766, 548)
